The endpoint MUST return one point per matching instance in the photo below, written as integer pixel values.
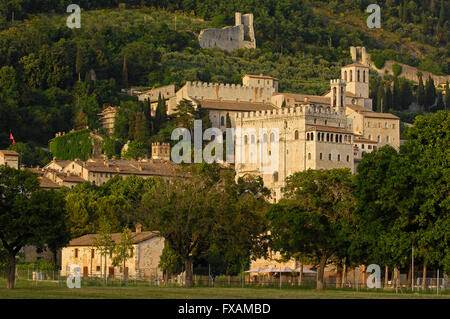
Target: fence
(243, 280)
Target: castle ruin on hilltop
(241, 35)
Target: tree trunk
(344, 276)
(386, 276)
(12, 270)
(363, 276)
(301, 275)
(338, 276)
(104, 271)
(321, 271)
(188, 266)
(424, 275)
(410, 276)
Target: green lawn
(43, 290)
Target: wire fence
(244, 280)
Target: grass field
(45, 290)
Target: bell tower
(338, 93)
(357, 77)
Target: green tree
(160, 113)
(381, 98)
(170, 261)
(104, 243)
(123, 250)
(440, 101)
(314, 219)
(421, 98)
(447, 96)
(430, 93)
(28, 215)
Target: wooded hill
(45, 81)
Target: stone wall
(230, 38)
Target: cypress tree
(125, 72)
(160, 114)
(381, 99)
(442, 14)
(447, 96)
(396, 95)
(430, 93)
(420, 92)
(406, 97)
(440, 101)
(389, 99)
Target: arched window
(245, 139)
(339, 157)
(387, 139)
(265, 138)
(364, 76)
(334, 96)
(329, 157)
(312, 136)
(307, 136)
(272, 137)
(296, 135)
(340, 138)
(345, 75)
(222, 121)
(331, 138)
(359, 78)
(348, 158)
(336, 139)
(309, 156)
(378, 139)
(275, 176)
(320, 156)
(328, 137)
(351, 75)
(318, 136)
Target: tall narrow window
(296, 135)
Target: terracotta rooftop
(153, 167)
(368, 113)
(88, 240)
(9, 153)
(234, 106)
(47, 183)
(322, 128)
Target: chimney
(138, 228)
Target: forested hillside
(46, 83)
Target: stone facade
(146, 253)
(360, 54)
(242, 35)
(310, 137)
(167, 92)
(107, 119)
(9, 158)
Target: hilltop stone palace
(315, 132)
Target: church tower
(338, 93)
(357, 77)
